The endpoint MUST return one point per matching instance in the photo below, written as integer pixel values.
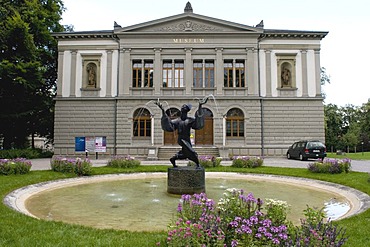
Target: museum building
(263, 86)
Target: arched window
(142, 123)
(235, 123)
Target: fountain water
(139, 202)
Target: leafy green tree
(324, 78)
(352, 138)
(365, 126)
(333, 126)
(28, 68)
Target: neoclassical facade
(264, 86)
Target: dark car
(304, 150)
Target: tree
(28, 68)
(365, 126)
(324, 79)
(333, 126)
(351, 138)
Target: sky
(345, 51)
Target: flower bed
(81, 167)
(207, 161)
(246, 161)
(239, 220)
(15, 166)
(123, 162)
(329, 165)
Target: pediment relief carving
(190, 25)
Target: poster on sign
(101, 144)
(80, 144)
(90, 144)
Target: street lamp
(362, 146)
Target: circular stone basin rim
(359, 201)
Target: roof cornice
(293, 34)
(104, 34)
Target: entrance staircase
(166, 152)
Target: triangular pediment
(187, 22)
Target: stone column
(142, 74)
(255, 73)
(251, 72)
(219, 71)
(126, 71)
(157, 77)
(73, 74)
(109, 73)
(268, 73)
(120, 72)
(304, 74)
(188, 77)
(203, 73)
(234, 74)
(60, 74)
(317, 73)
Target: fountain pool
(139, 202)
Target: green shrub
(25, 153)
(314, 231)
(15, 166)
(329, 165)
(246, 162)
(81, 167)
(123, 162)
(207, 161)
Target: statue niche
(91, 70)
(286, 75)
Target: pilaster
(304, 74)
(126, 71)
(317, 72)
(157, 76)
(268, 73)
(73, 73)
(120, 71)
(188, 77)
(109, 73)
(60, 73)
(219, 73)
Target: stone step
(165, 153)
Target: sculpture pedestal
(185, 180)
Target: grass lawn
(352, 156)
(17, 229)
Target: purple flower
(234, 243)
(179, 207)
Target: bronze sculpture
(184, 124)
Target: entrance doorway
(170, 138)
(204, 137)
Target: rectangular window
(136, 73)
(142, 127)
(234, 128)
(179, 74)
(209, 74)
(197, 74)
(239, 74)
(148, 73)
(228, 73)
(167, 74)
